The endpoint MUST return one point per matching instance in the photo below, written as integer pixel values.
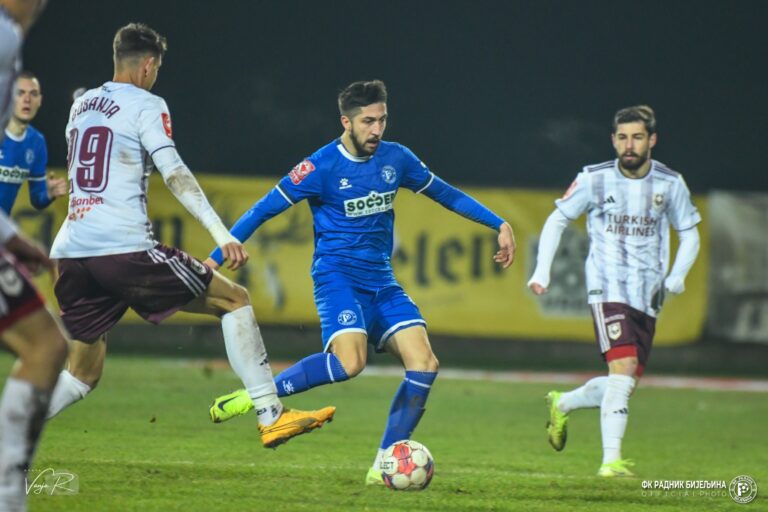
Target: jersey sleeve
(576, 199)
(304, 181)
(682, 213)
(155, 125)
(38, 187)
(416, 174)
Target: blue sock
(315, 370)
(407, 406)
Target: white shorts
(10, 64)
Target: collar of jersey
(14, 137)
(350, 156)
(621, 175)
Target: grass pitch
(142, 441)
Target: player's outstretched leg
(315, 370)
(560, 404)
(86, 364)
(248, 358)
(42, 349)
(412, 347)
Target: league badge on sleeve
(301, 171)
(167, 124)
(570, 190)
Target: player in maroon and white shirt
(630, 204)
(108, 258)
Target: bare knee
(623, 366)
(353, 363)
(427, 363)
(237, 297)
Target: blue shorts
(344, 307)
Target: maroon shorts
(623, 331)
(94, 292)
(18, 296)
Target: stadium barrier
(443, 261)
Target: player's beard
(633, 165)
(360, 147)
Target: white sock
(379, 456)
(22, 416)
(69, 389)
(248, 358)
(613, 415)
(588, 395)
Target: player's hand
(537, 288)
(57, 187)
(235, 254)
(212, 263)
(506, 253)
(29, 253)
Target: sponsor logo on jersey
(388, 174)
(167, 124)
(374, 202)
(344, 184)
(571, 189)
(14, 175)
(29, 156)
(80, 206)
(301, 171)
(614, 330)
(347, 317)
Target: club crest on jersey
(301, 171)
(29, 156)
(167, 124)
(658, 200)
(374, 202)
(388, 174)
(614, 330)
(347, 317)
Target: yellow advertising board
(443, 261)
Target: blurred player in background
(630, 203)
(108, 258)
(23, 152)
(16, 18)
(350, 185)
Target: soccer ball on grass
(407, 466)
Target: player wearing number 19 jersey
(350, 185)
(108, 259)
(630, 204)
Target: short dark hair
(28, 75)
(361, 94)
(136, 39)
(637, 114)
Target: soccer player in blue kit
(23, 152)
(350, 185)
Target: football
(407, 466)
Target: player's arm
(43, 190)
(182, 184)
(468, 207)
(25, 250)
(548, 243)
(684, 260)
(272, 204)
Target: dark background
(494, 93)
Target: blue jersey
(23, 159)
(352, 201)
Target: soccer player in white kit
(630, 203)
(27, 328)
(108, 259)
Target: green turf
(142, 441)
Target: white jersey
(113, 131)
(10, 64)
(628, 226)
